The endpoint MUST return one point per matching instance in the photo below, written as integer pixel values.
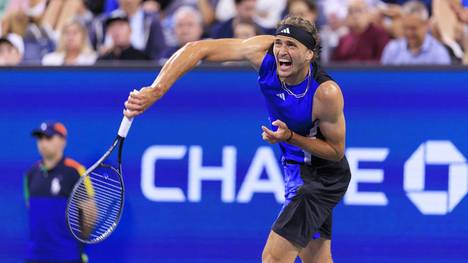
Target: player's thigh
(279, 250)
(317, 251)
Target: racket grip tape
(125, 126)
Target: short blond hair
(85, 45)
(307, 26)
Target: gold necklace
(297, 96)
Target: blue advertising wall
(406, 142)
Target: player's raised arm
(217, 50)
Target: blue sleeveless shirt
(295, 112)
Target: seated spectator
(269, 13)
(333, 30)
(243, 30)
(365, 41)
(118, 28)
(146, 32)
(73, 47)
(167, 12)
(11, 50)
(246, 29)
(389, 15)
(245, 11)
(188, 27)
(306, 9)
(417, 46)
(37, 41)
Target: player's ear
(310, 55)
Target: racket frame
(117, 142)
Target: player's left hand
(281, 134)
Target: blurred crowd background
(89, 32)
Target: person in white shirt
(73, 47)
(416, 46)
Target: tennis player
(306, 110)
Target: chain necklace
(297, 96)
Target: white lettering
(148, 175)
(264, 159)
(226, 174)
(356, 155)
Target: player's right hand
(138, 101)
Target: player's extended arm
(252, 49)
(328, 108)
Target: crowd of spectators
(88, 32)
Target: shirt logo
(286, 31)
(281, 96)
(55, 186)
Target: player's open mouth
(284, 64)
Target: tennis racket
(97, 200)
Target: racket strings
(95, 204)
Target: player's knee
(317, 259)
(269, 256)
(325, 258)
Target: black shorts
(310, 210)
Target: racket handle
(125, 126)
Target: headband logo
(286, 31)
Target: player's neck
(52, 161)
(297, 78)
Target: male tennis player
(306, 110)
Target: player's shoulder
(257, 48)
(76, 166)
(328, 100)
(329, 91)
